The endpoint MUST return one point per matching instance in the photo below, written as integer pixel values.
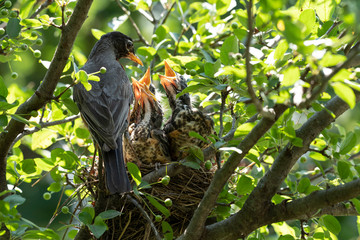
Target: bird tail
(117, 180)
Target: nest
(185, 190)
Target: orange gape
(147, 143)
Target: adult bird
(105, 107)
(184, 118)
(147, 142)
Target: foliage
(263, 80)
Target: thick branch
(195, 227)
(329, 201)
(306, 208)
(45, 91)
(252, 214)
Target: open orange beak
(169, 78)
(134, 58)
(146, 79)
(168, 70)
(142, 91)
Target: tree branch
(138, 32)
(259, 201)
(44, 125)
(254, 99)
(45, 91)
(196, 225)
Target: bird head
(173, 84)
(142, 90)
(123, 46)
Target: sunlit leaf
(331, 223)
(345, 93)
(158, 206)
(134, 172)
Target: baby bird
(184, 117)
(147, 142)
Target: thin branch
(146, 216)
(44, 125)
(224, 95)
(254, 99)
(325, 79)
(42, 7)
(167, 13)
(137, 30)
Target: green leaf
(82, 76)
(71, 105)
(94, 78)
(331, 223)
(192, 164)
(317, 156)
(158, 206)
(343, 168)
(167, 230)
(281, 49)
(222, 6)
(28, 166)
(244, 129)
(303, 185)
(13, 27)
(3, 120)
(211, 68)
(68, 160)
(146, 51)
(348, 144)
(161, 32)
(230, 45)
(85, 217)
(26, 8)
(297, 142)
(82, 133)
(14, 200)
(292, 32)
(325, 9)
(307, 17)
(197, 135)
(240, 33)
(33, 23)
(41, 234)
(54, 187)
(330, 59)
(109, 214)
(134, 172)
(196, 152)
(244, 185)
(97, 33)
(3, 88)
(99, 227)
(42, 139)
(286, 237)
(345, 93)
(291, 75)
(356, 203)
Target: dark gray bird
(105, 108)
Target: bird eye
(129, 46)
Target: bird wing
(105, 107)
